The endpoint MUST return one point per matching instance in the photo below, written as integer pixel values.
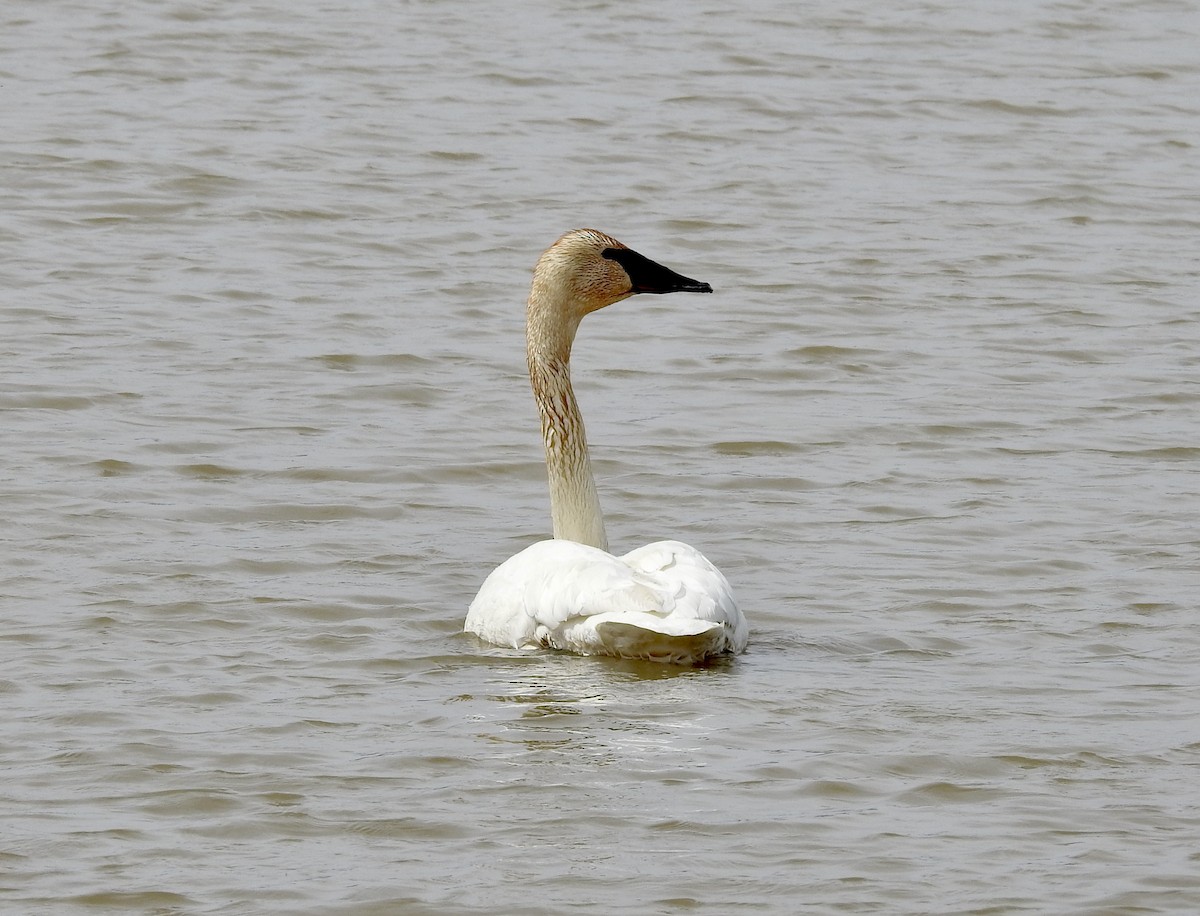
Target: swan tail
(673, 642)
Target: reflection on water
(603, 712)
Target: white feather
(663, 602)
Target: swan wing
(691, 588)
(531, 595)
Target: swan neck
(574, 503)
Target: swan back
(662, 602)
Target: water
(266, 430)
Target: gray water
(266, 429)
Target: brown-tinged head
(592, 270)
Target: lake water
(266, 429)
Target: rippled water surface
(266, 429)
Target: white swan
(664, 602)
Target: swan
(664, 602)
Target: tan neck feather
(574, 504)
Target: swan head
(591, 270)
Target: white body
(664, 602)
